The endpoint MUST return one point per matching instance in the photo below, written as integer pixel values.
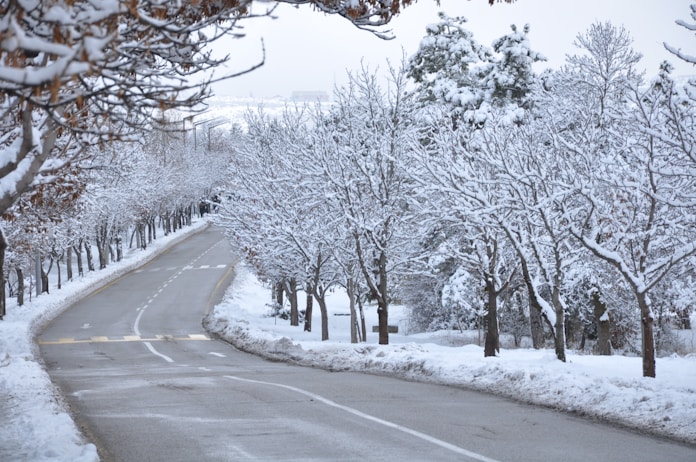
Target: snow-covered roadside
(36, 425)
(611, 388)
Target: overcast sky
(309, 51)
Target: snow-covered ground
(37, 427)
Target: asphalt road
(147, 383)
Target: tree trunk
(68, 263)
(353, 316)
(308, 311)
(383, 322)
(102, 245)
(383, 301)
(321, 300)
(151, 230)
(20, 286)
(559, 327)
(101, 252)
(3, 302)
(362, 318)
(603, 323)
(112, 250)
(292, 297)
(88, 254)
(536, 324)
(492, 343)
(44, 281)
(166, 224)
(60, 279)
(119, 248)
(78, 254)
(648, 338)
(278, 294)
(142, 237)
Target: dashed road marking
(185, 268)
(125, 338)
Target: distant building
(310, 96)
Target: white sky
(306, 50)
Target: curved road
(146, 383)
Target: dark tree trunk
(308, 311)
(68, 263)
(536, 324)
(559, 327)
(353, 315)
(112, 250)
(383, 301)
(536, 319)
(151, 231)
(44, 281)
(603, 323)
(20, 286)
(278, 289)
(101, 252)
(102, 246)
(492, 344)
(169, 225)
(383, 322)
(60, 279)
(88, 254)
(292, 298)
(321, 300)
(119, 249)
(3, 302)
(648, 338)
(378, 289)
(78, 255)
(142, 235)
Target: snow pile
(608, 387)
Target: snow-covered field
(37, 427)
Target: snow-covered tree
(464, 163)
(633, 205)
(361, 146)
(448, 67)
(451, 68)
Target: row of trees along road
(488, 196)
(77, 80)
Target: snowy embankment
(610, 388)
(36, 425)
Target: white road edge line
(157, 353)
(136, 330)
(386, 423)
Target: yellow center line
(125, 338)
